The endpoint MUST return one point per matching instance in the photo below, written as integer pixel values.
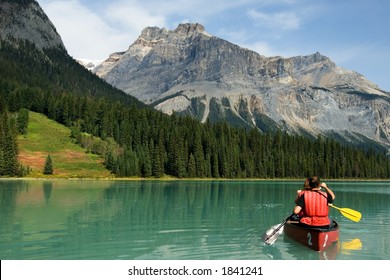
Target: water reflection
(47, 187)
(185, 221)
(332, 252)
(10, 226)
(351, 245)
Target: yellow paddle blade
(349, 213)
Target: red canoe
(314, 238)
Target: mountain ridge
(28, 23)
(188, 71)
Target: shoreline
(179, 179)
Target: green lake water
(178, 220)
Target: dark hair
(314, 182)
(306, 184)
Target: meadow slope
(45, 136)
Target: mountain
(25, 20)
(32, 54)
(188, 71)
(39, 76)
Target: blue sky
(353, 33)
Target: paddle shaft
(278, 228)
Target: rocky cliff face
(25, 20)
(188, 71)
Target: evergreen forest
(136, 140)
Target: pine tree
(48, 169)
(2, 140)
(158, 160)
(2, 162)
(8, 145)
(146, 166)
(23, 117)
(215, 164)
(191, 170)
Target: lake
(178, 220)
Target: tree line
(136, 140)
(10, 126)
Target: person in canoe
(306, 186)
(311, 207)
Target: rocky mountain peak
(153, 34)
(317, 57)
(187, 71)
(189, 29)
(25, 20)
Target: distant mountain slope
(25, 20)
(32, 54)
(189, 71)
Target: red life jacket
(315, 211)
(300, 214)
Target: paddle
(349, 213)
(270, 236)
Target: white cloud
(130, 15)
(280, 20)
(93, 34)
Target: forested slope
(151, 143)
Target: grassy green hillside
(44, 137)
